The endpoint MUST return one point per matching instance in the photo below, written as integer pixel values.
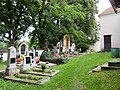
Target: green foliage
(3, 46)
(37, 70)
(84, 47)
(40, 70)
(25, 71)
(46, 55)
(3, 64)
(58, 18)
(52, 20)
(59, 60)
(43, 67)
(27, 76)
(14, 20)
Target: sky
(102, 6)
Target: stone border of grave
(44, 74)
(113, 64)
(42, 81)
(2, 73)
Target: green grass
(74, 76)
(2, 65)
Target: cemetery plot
(26, 69)
(27, 78)
(39, 71)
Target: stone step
(107, 67)
(114, 63)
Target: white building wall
(96, 46)
(110, 25)
(5, 56)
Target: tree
(52, 19)
(59, 17)
(45, 26)
(14, 20)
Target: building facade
(110, 29)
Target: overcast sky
(103, 5)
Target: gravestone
(66, 43)
(27, 62)
(59, 47)
(33, 54)
(36, 54)
(73, 47)
(1, 56)
(23, 49)
(11, 61)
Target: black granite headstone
(12, 60)
(28, 61)
(31, 54)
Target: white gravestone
(73, 47)
(58, 47)
(27, 62)
(11, 61)
(23, 49)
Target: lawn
(74, 76)
(2, 65)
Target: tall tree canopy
(14, 20)
(59, 17)
(52, 19)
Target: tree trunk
(46, 45)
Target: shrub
(46, 56)
(84, 47)
(36, 70)
(43, 67)
(59, 60)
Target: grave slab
(44, 74)
(42, 81)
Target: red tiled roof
(109, 11)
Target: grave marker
(27, 62)
(66, 43)
(11, 61)
(23, 49)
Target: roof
(115, 4)
(108, 11)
